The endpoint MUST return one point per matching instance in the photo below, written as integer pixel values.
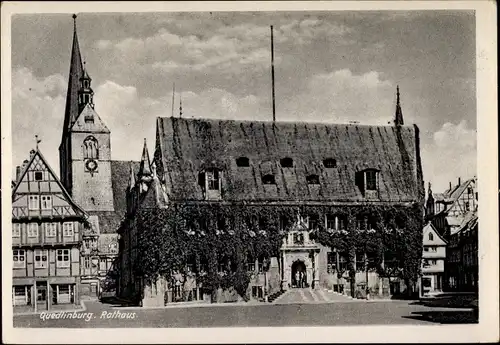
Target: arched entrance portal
(299, 274)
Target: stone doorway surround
(297, 246)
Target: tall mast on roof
(173, 99)
(398, 120)
(180, 105)
(272, 73)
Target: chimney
(25, 164)
(459, 181)
(18, 173)
(450, 186)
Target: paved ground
(100, 315)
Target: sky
(334, 67)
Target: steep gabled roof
(188, 146)
(429, 227)
(38, 162)
(451, 195)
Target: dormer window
(313, 179)
(210, 183)
(212, 176)
(371, 179)
(286, 162)
(367, 181)
(329, 163)
(268, 179)
(243, 162)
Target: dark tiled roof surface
(120, 175)
(189, 145)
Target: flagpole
(173, 99)
(272, 73)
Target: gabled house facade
(433, 260)
(46, 238)
(454, 215)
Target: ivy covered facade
(238, 210)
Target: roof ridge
(312, 123)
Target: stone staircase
(310, 296)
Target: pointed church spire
(398, 121)
(75, 73)
(145, 167)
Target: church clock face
(91, 165)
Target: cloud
(37, 101)
(342, 96)
(451, 154)
(455, 136)
(221, 52)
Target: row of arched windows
(286, 162)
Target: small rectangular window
(213, 179)
(19, 258)
(86, 262)
(33, 202)
(63, 258)
(313, 222)
(16, 230)
(38, 176)
(68, 229)
(371, 180)
(33, 230)
(41, 258)
(330, 222)
(46, 202)
(50, 229)
(331, 260)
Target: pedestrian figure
(297, 275)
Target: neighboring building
(462, 266)
(274, 165)
(434, 255)
(454, 215)
(95, 181)
(46, 238)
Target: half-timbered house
(46, 238)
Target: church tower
(85, 149)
